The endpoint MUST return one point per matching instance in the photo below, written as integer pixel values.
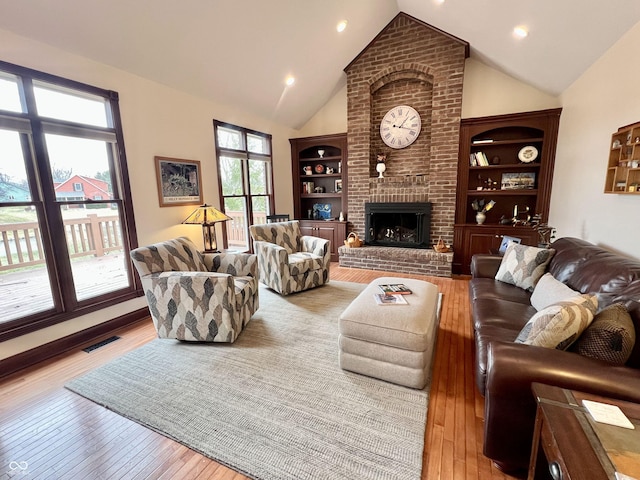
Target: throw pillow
(560, 324)
(523, 266)
(548, 291)
(610, 337)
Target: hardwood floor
(48, 432)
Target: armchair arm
(485, 265)
(236, 264)
(193, 281)
(271, 254)
(317, 246)
(510, 407)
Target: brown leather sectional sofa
(505, 370)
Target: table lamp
(207, 216)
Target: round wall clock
(400, 126)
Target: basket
(353, 241)
(440, 247)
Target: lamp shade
(207, 216)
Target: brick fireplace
(408, 63)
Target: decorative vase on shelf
(380, 168)
(480, 218)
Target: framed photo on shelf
(322, 211)
(506, 239)
(338, 186)
(518, 181)
(179, 181)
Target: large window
(66, 219)
(245, 180)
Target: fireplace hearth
(398, 224)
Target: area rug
(275, 404)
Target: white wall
(332, 117)
(486, 91)
(603, 99)
(157, 120)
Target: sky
(83, 156)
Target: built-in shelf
(623, 172)
(513, 184)
(310, 208)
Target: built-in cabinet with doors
(505, 171)
(319, 172)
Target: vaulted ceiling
(239, 52)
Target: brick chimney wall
(408, 63)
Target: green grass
(17, 215)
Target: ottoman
(394, 343)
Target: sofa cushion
(495, 319)
(548, 291)
(493, 311)
(482, 288)
(523, 266)
(610, 337)
(560, 324)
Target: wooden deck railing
(237, 228)
(21, 244)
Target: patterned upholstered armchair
(197, 297)
(287, 261)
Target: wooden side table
(574, 445)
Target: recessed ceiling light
(439, 1)
(290, 80)
(341, 26)
(520, 32)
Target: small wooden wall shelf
(623, 168)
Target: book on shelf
(481, 159)
(384, 299)
(395, 288)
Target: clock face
(400, 126)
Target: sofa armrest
(485, 265)
(510, 407)
(236, 264)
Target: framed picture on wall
(179, 181)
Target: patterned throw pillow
(548, 291)
(610, 337)
(523, 266)
(560, 324)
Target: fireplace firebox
(398, 224)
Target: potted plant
(546, 233)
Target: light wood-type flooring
(47, 432)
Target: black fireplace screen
(398, 224)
